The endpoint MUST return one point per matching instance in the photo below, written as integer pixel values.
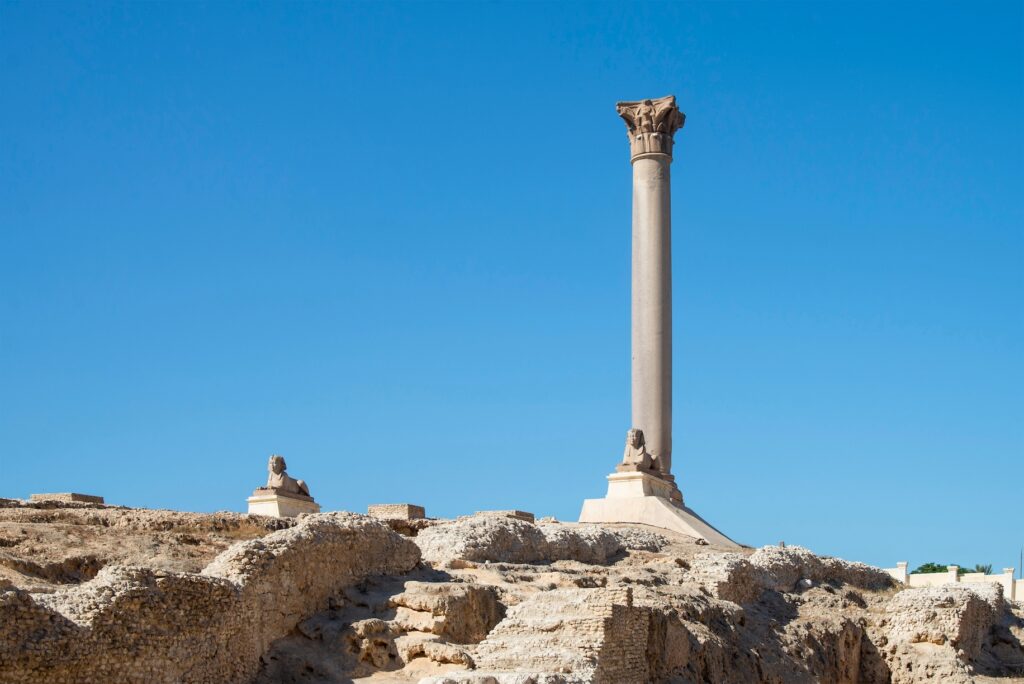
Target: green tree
(936, 567)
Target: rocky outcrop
(387, 624)
(131, 624)
(462, 613)
(338, 597)
(48, 544)
(948, 633)
(957, 615)
(783, 568)
(727, 576)
(488, 538)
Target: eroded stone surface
(339, 597)
(487, 538)
(783, 567)
(133, 624)
(950, 633)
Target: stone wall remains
(597, 635)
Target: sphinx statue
(283, 496)
(636, 456)
(280, 481)
(637, 459)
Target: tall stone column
(642, 489)
(651, 125)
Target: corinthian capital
(651, 124)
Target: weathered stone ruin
(134, 624)
(482, 599)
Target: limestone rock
(952, 633)
(483, 538)
(727, 576)
(783, 567)
(134, 624)
(340, 597)
(584, 543)
(635, 539)
(960, 615)
(462, 613)
(856, 574)
(489, 538)
(503, 678)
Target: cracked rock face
(481, 600)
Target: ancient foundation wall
(133, 625)
(623, 656)
(597, 634)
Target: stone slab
(655, 511)
(67, 497)
(521, 515)
(278, 506)
(274, 491)
(402, 511)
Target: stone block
(67, 497)
(402, 511)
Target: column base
(281, 505)
(642, 499)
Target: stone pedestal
(626, 484)
(280, 505)
(648, 500)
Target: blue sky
(391, 242)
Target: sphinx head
(276, 464)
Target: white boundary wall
(1012, 589)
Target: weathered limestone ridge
(131, 624)
(482, 599)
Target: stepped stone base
(281, 505)
(636, 497)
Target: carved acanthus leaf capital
(651, 124)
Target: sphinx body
(279, 480)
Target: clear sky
(391, 242)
